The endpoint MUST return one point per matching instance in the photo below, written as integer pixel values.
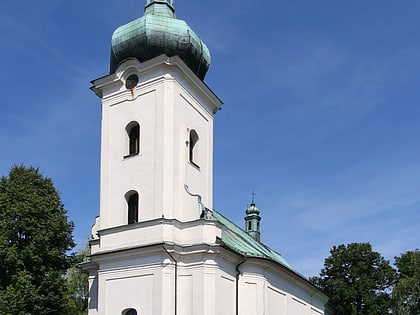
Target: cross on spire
(253, 196)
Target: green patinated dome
(158, 32)
(252, 209)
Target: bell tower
(156, 176)
(157, 122)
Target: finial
(253, 196)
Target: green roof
(159, 32)
(239, 241)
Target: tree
(357, 280)
(35, 237)
(406, 293)
(78, 287)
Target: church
(158, 247)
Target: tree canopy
(35, 237)
(77, 284)
(357, 280)
(406, 293)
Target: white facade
(167, 104)
(207, 282)
(171, 259)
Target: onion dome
(252, 209)
(158, 32)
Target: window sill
(194, 165)
(130, 155)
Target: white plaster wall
(123, 174)
(135, 287)
(225, 295)
(139, 297)
(144, 279)
(189, 115)
(167, 104)
(157, 232)
(146, 283)
(267, 289)
(276, 301)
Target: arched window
(133, 207)
(130, 311)
(194, 147)
(133, 133)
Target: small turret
(252, 220)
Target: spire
(252, 220)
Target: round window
(132, 81)
(131, 312)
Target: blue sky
(321, 112)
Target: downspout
(237, 283)
(176, 279)
(205, 213)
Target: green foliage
(406, 294)
(35, 236)
(78, 288)
(357, 280)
